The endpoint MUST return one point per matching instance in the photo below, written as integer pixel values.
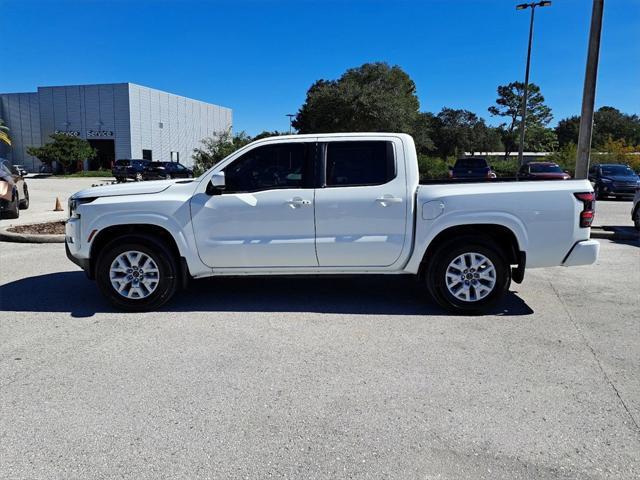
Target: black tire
(13, 208)
(153, 248)
(636, 218)
(24, 203)
(436, 276)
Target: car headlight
(74, 203)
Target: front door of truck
(265, 215)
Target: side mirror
(216, 184)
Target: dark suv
(471, 167)
(613, 179)
(129, 168)
(166, 170)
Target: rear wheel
(636, 218)
(12, 210)
(138, 177)
(24, 203)
(137, 273)
(468, 275)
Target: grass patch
(86, 173)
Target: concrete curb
(7, 236)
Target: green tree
(540, 139)
(509, 106)
(4, 133)
(267, 134)
(457, 131)
(611, 124)
(65, 150)
(608, 124)
(374, 97)
(423, 132)
(216, 148)
(567, 130)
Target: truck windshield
(545, 168)
(471, 163)
(617, 170)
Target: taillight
(588, 208)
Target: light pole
(524, 6)
(589, 92)
(290, 115)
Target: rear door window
(359, 163)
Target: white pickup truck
(327, 204)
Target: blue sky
(259, 57)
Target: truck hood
(134, 188)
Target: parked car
(635, 210)
(542, 171)
(129, 169)
(327, 204)
(471, 167)
(16, 191)
(166, 170)
(613, 179)
(21, 170)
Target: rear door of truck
(362, 203)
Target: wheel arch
(501, 235)
(104, 236)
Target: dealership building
(120, 120)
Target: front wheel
(468, 276)
(24, 203)
(137, 273)
(636, 219)
(13, 208)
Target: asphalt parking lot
(321, 378)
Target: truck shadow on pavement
(73, 293)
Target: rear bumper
(582, 253)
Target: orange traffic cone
(58, 207)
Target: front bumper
(73, 247)
(582, 253)
(619, 190)
(83, 263)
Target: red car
(542, 171)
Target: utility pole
(589, 92)
(524, 6)
(291, 116)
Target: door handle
(298, 202)
(388, 199)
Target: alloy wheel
(134, 274)
(470, 277)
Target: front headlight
(74, 203)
